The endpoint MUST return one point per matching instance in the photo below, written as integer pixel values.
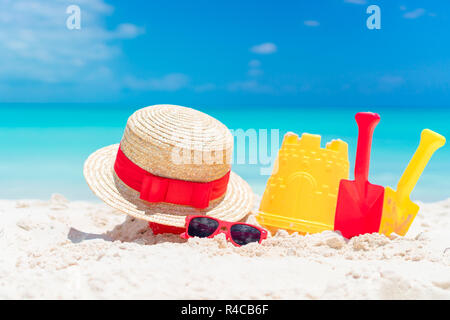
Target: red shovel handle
(367, 121)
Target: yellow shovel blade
(397, 218)
(398, 210)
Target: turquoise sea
(44, 146)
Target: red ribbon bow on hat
(154, 188)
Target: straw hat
(172, 144)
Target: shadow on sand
(131, 230)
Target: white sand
(60, 249)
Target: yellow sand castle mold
(301, 193)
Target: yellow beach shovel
(398, 210)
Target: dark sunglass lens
(202, 227)
(243, 234)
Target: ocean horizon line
(137, 105)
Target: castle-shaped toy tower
(301, 193)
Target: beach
(60, 249)
(317, 119)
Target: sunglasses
(237, 232)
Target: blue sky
(226, 53)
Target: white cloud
(169, 82)
(255, 72)
(250, 86)
(254, 68)
(36, 45)
(254, 63)
(264, 48)
(127, 31)
(311, 23)
(205, 87)
(356, 1)
(414, 14)
(402, 8)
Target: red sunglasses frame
(223, 224)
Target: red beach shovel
(360, 203)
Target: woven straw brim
(101, 178)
